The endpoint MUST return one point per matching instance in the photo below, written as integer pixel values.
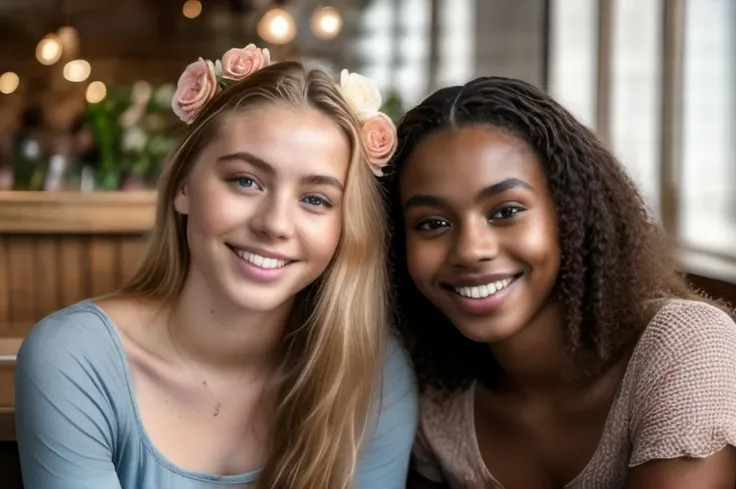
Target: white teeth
(483, 291)
(260, 261)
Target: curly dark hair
(615, 260)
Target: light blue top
(78, 424)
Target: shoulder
(73, 400)
(76, 341)
(682, 383)
(682, 326)
(396, 361)
(384, 458)
(397, 379)
(396, 404)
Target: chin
(259, 303)
(486, 330)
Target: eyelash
(311, 200)
(427, 224)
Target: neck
(534, 360)
(216, 334)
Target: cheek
(423, 259)
(540, 244)
(321, 234)
(214, 211)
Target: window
(706, 170)
(707, 207)
(395, 44)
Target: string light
(277, 26)
(192, 9)
(49, 49)
(326, 22)
(77, 70)
(9, 82)
(96, 92)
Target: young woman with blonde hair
(251, 348)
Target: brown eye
(506, 212)
(432, 225)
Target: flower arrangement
(202, 80)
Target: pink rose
(239, 63)
(196, 86)
(379, 137)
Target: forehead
(468, 158)
(289, 138)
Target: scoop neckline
(244, 478)
(470, 415)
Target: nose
(475, 242)
(274, 219)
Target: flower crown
(203, 79)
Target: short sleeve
(64, 420)
(684, 398)
(384, 460)
(425, 462)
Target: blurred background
(85, 120)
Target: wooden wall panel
(71, 270)
(47, 272)
(57, 248)
(48, 283)
(103, 267)
(20, 265)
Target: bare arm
(715, 472)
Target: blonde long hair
(335, 340)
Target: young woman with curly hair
(554, 341)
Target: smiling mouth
(485, 290)
(258, 260)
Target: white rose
(361, 93)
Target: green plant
(132, 132)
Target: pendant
(217, 409)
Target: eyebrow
(493, 190)
(267, 168)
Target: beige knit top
(677, 399)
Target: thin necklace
(192, 363)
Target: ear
(181, 201)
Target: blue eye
(245, 183)
(432, 224)
(316, 201)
